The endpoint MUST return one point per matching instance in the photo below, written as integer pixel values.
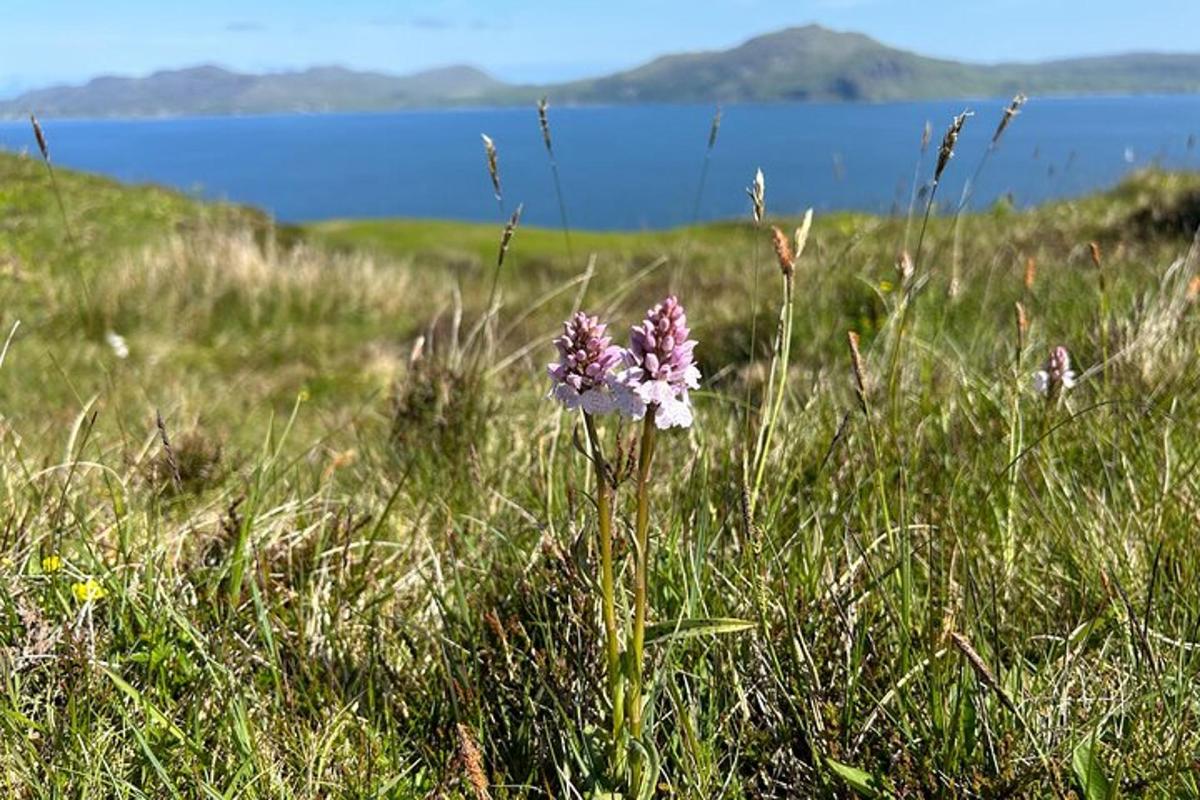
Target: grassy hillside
(358, 557)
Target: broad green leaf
(1090, 772)
(863, 783)
(663, 631)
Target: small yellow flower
(88, 590)
(51, 564)
(885, 286)
(304, 396)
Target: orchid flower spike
(581, 377)
(660, 368)
(1056, 374)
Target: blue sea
(629, 167)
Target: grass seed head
(905, 267)
(714, 129)
(757, 193)
(982, 671)
(1013, 109)
(472, 762)
(1030, 272)
(544, 122)
(946, 151)
(1022, 325)
(801, 237)
(783, 252)
(860, 375)
(493, 163)
(506, 237)
(41, 137)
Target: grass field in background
(364, 566)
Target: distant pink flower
(660, 368)
(581, 377)
(1056, 374)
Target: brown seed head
(1094, 251)
(783, 252)
(1022, 325)
(472, 762)
(860, 377)
(1030, 272)
(1193, 289)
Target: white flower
(117, 342)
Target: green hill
(795, 64)
(214, 90)
(814, 63)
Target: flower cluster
(659, 367)
(582, 376)
(1056, 374)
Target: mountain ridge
(803, 63)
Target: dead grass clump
(193, 462)
(440, 410)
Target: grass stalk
(776, 388)
(544, 123)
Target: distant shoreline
(23, 118)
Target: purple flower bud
(660, 368)
(1056, 374)
(586, 356)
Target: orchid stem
(604, 502)
(641, 562)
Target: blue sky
(44, 41)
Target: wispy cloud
(432, 23)
(245, 26)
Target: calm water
(631, 167)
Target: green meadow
(285, 512)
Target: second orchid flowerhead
(660, 368)
(1056, 374)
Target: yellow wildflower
(88, 590)
(51, 564)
